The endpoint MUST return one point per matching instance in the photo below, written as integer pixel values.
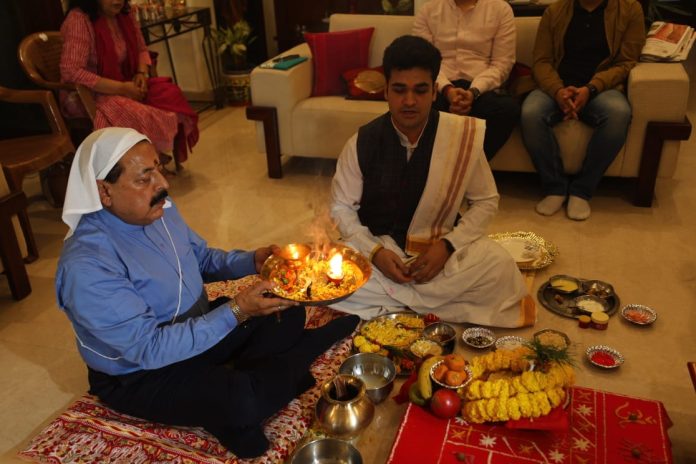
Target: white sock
(578, 208)
(550, 205)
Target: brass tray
(404, 360)
(288, 256)
(542, 251)
(561, 303)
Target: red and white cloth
(605, 428)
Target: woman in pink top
(477, 41)
(104, 50)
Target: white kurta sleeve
(346, 193)
(481, 204)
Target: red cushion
(333, 53)
(365, 83)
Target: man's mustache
(159, 197)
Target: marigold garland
(531, 394)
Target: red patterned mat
(605, 428)
(90, 433)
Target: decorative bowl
(300, 275)
(467, 369)
(376, 371)
(610, 358)
(509, 342)
(327, 450)
(443, 334)
(478, 337)
(562, 283)
(639, 314)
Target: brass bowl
(296, 254)
(344, 415)
(376, 371)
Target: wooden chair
(39, 54)
(26, 155)
(13, 245)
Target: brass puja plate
(299, 273)
(563, 303)
(529, 250)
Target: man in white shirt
(413, 190)
(477, 41)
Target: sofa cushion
(333, 53)
(365, 83)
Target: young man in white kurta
(478, 281)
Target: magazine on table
(668, 42)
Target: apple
(445, 403)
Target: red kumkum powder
(603, 359)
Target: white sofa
(291, 122)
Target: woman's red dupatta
(162, 93)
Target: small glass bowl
(614, 354)
(478, 337)
(509, 342)
(639, 314)
(467, 369)
(564, 284)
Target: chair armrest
(87, 99)
(283, 90)
(12, 203)
(44, 98)
(658, 92)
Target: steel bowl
(485, 336)
(556, 282)
(295, 255)
(549, 334)
(646, 315)
(326, 450)
(598, 288)
(376, 371)
(443, 334)
(588, 304)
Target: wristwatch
(475, 91)
(238, 314)
(593, 90)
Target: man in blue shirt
(130, 279)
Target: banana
(424, 384)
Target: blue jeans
(609, 113)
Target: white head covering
(95, 157)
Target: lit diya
(316, 277)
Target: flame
(294, 252)
(336, 266)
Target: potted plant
(232, 47)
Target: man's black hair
(410, 51)
(91, 7)
(114, 173)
